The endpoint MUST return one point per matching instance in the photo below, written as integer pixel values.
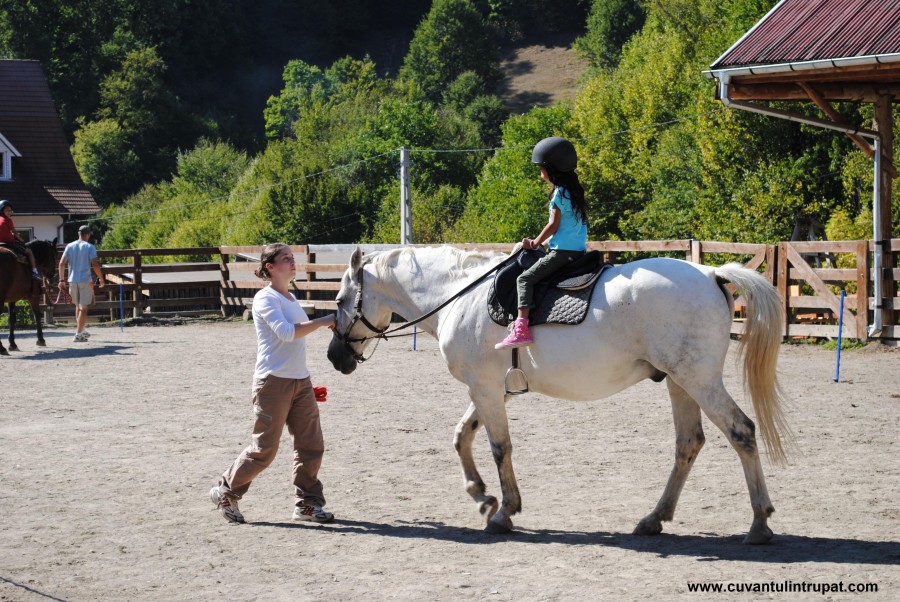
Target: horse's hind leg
(741, 433)
(689, 440)
(462, 440)
(3, 350)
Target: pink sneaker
(519, 337)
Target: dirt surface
(109, 449)
(540, 73)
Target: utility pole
(405, 200)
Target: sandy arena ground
(108, 450)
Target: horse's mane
(42, 250)
(461, 261)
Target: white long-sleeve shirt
(277, 351)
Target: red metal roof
(45, 180)
(806, 30)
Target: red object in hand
(321, 394)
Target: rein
(387, 332)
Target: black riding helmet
(4, 204)
(555, 152)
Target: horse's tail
(759, 349)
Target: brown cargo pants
(278, 401)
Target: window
(26, 234)
(5, 166)
(7, 152)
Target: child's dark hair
(268, 256)
(569, 181)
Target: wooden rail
(152, 282)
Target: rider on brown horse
(11, 240)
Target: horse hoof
(3, 351)
(13, 347)
(42, 343)
(758, 537)
(498, 528)
(648, 526)
(488, 508)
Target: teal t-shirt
(572, 232)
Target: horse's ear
(55, 242)
(355, 261)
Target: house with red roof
(37, 172)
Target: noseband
(358, 316)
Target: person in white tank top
(282, 394)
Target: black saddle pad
(563, 298)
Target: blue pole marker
(121, 310)
(837, 369)
(414, 338)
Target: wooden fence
(805, 274)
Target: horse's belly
(596, 378)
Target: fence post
(696, 251)
(771, 262)
(310, 275)
(405, 199)
(138, 311)
(862, 290)
(224, 277)
(783, 288)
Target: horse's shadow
(71, 353)
(784, 549)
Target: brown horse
(16, 282)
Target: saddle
(16, 250)
(563, 298)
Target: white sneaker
(315, 514)
(226, 505)
(80, 338)
(85, 334)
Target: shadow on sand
(70, 353)
(783, 549)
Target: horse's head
(44, 253)
(354, 329)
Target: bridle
(358, 316)
(385, 333)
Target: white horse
(650, 318)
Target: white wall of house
(42, 227)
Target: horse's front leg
(462, 440)
(492, 411)
(12, 327)
(36, 311)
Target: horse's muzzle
(341, 355)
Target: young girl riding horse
(565, 233)
(9, 237)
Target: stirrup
(519, 384)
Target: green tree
(610, 25)
(105, 157)
(509, 201)
(139, 118)
(452, 39)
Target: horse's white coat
(646, 317)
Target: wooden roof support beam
(838, 119)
